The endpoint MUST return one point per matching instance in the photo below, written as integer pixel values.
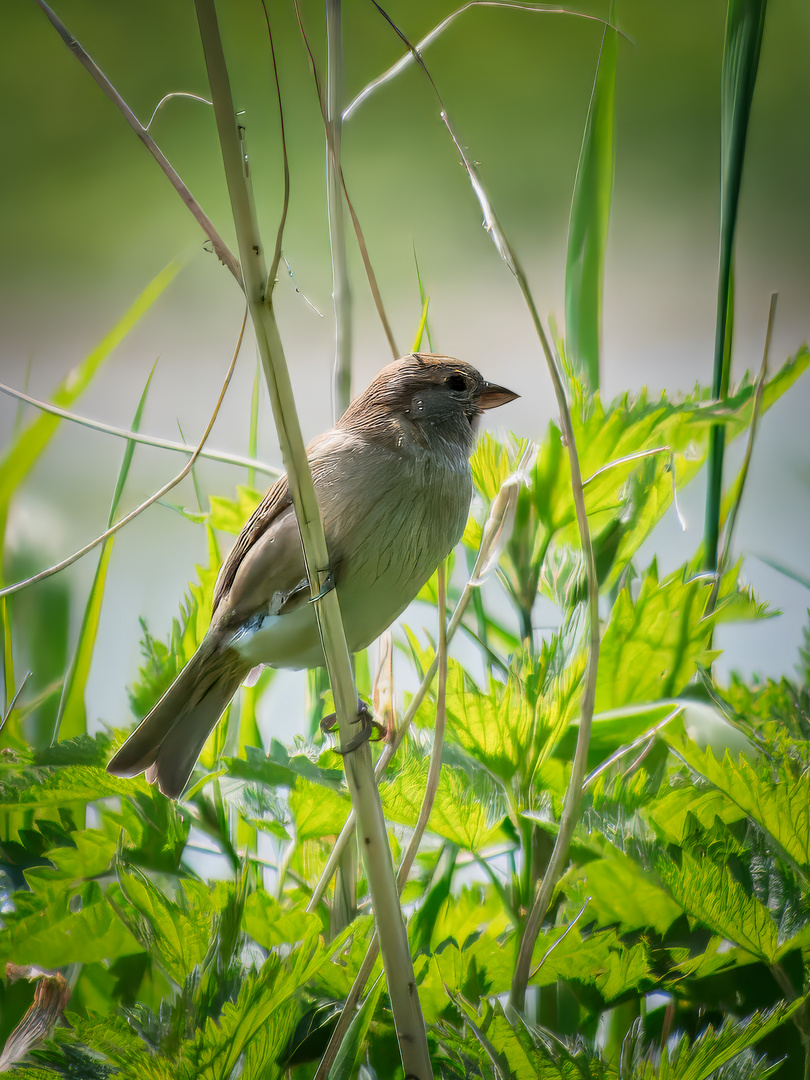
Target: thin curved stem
(138, 437)
(221, 250)
(20, 585)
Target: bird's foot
(369, 725)
(327, 585)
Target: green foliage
(677, 941)
(690, 867)
(590, 213)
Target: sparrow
(394, 484)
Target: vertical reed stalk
(341, 290)
(397, 961)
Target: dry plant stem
(722, 562)
(189, 465)
(408, 57)
(397, 961)
(285, 202)
(573, 793)
(341, 291)
(221, 249)
(431, 787)
(136, 436)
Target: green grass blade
(417, 341)
(423, 300)
(71, 717)
(20, 458)
(745, 22)
(590, 214)
(8, 657)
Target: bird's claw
(326, 587)
(369, 724)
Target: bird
(393, 482)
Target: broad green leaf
(230, 515)
(588, 224)
(709, 893)
(626, 494)
(62, 925)
(90, 857)
(713, 1047)
(602, 959)
(619, 892)
(777, 799)
(179, 933)
(317, 810)
(271, 925)
(652, 645)
(460, 812)
(512, 728)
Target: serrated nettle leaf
(710, 894)
(466, 813)
(619, 891)
(317, 811)
(89, 856)
(231, 515)
(775, 798)
(626, 494)
(271, 925)
(512, 727)
(63, 924)
(714, 1047)
(653, 644)
(602, 958)
(179, 932)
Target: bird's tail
(168, 742)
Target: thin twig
(562, 936)
(20, 585)
(431, 787)
(169, 97)
(221, 249)
(430, 37)
(136, 436)
(573, 793)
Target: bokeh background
(87, 219)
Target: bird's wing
(265, 568)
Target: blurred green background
(87, 219)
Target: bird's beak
(492, 396)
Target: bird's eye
(456, 382)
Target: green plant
(598, 805)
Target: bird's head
(436, 399)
